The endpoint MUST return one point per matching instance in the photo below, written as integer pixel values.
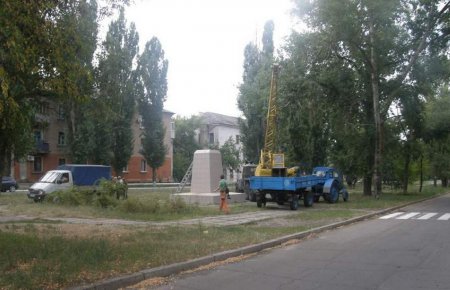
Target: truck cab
(53, 180)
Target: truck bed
(284, 183)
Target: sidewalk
(221, 220)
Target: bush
(72, 196)
(105, 196)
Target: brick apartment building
(50, 136)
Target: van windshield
(50, 177)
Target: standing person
(223, 195)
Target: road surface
(408, 249)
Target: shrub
(73, 196)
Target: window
(211, 138)
(61, 161)
(238, 139)
(43, 108)
(61, 114)
(143, 165)
(38, 136)
(65, 178)
(61, 139)
(37, 164)
(125, 169)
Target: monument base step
(209, 198)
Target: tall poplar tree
(254, 93)
(152, 91)
(116, 83)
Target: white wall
(221, 135)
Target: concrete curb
(165, 271)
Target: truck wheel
(308, 199)
(252, 196)
(294, 202)
(333, 195)
(260, 200)
(345, 195)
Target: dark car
(9, 183)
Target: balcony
(42, 147)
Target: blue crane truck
(324, 182)
(65, 177)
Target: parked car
(9, 183)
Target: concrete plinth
(206, 171)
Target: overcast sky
(204, 42)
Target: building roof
(168, 112)
(219, 119)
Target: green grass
(37, 255)
(142, 205)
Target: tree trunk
(154, 176)
(421, 173)
(405, 180)
(367, 183)
(376, 113)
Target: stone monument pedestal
(206, 171)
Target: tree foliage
(116, 83)
(152, 86)
(230, 155)
(353, 87)
(253, 93)
(357, 60)
(184, 144)
(47, 54)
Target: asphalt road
(409, 249)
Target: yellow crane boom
(268, 159)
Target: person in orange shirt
(223, 195)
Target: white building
(215, 130)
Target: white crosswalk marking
(427, 216)
(416, 216)
(408, 215)
(444, 217)
(392, 215)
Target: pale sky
(204, 42)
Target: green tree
(24, 43)
(230, 155)
(152, 90)
(438, 136)
(381, 41)
(116, 80)
(184, 144)
(254, 92)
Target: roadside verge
(172, 269)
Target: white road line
(427, 216)
(392, 215)
(444, 217)
(408, 215)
